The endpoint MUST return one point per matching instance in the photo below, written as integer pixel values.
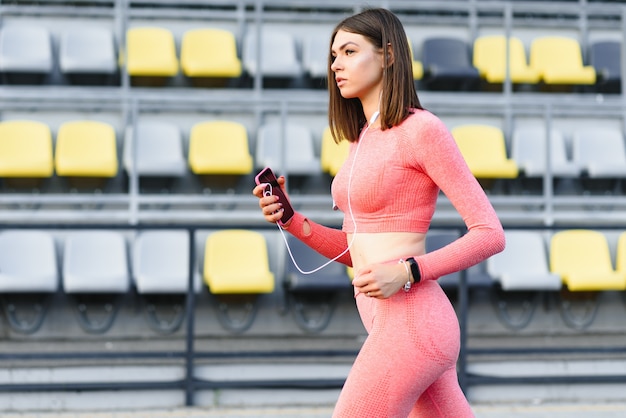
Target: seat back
(489, 57)
(159, 149)
(25, 48)
(528, 149)
(444, 52)
(151, 51)
(28, 261)
(209, 52)
(236, 261)
(161, 261)
(279, 56)
(606, 58)
(600, 151)
(87, 49)
(95, 262)
(523, 264)
(25, 149)
(484, 150)
(620, 253)
(86, 148)
(298, 146)
(579, 251)
(315, 55)
(332, 155)
(219, 147)
(559, 60)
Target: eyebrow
(345, 45)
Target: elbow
(498, 240)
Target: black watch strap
(415, 270)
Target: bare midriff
(380, 247)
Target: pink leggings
(407, 365)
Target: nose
(335, 64)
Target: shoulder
(424, 126)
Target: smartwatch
(415, 270)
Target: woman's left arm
(447, 168)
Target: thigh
(444, 398)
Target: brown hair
(380, 27)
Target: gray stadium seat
(448, 65)
(279, 59)
(312, 297)
(87, 55)
(159, 150)
(161, 275)
(600, 154)
(28, 274)
(25, 53)
(95, 267)
(522, 272)
(606, 57)
(529, 150)
(300, 157)
(315, 57)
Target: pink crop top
(396, 179)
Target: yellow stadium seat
(489, 57)
(559, 60)
(236, 261)
(332, 155)
(86, 149)
(209, 53)
(582, 259)
(151, 52)
(484, 150)
(25, 149)
(219, 147)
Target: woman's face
(358, 66)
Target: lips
(340, 81)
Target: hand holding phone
(266, 176)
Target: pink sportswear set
(407, 365)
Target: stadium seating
(489, 56)
(25, 53)
(161, 276)
(85, 150)
(583, 260)
(606, 59)
(290, 151)
(447, 64)
(210, 54)
(25, 149)
(559, 61)
(312, 292)
(522, 273)
(87, 55)
(151, 58)
(159, 149)
(95, 272)
(484, 150)
(236, 271)
(332, 154)
(600, 153)
(315, 52)
(28, 276)
(278, 60)
(219, 147)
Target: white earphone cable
(372, 120)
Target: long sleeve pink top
(396, 179)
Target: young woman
(400, 157)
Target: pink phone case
(266, 176)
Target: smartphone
(266, 176)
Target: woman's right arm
(329, 242)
